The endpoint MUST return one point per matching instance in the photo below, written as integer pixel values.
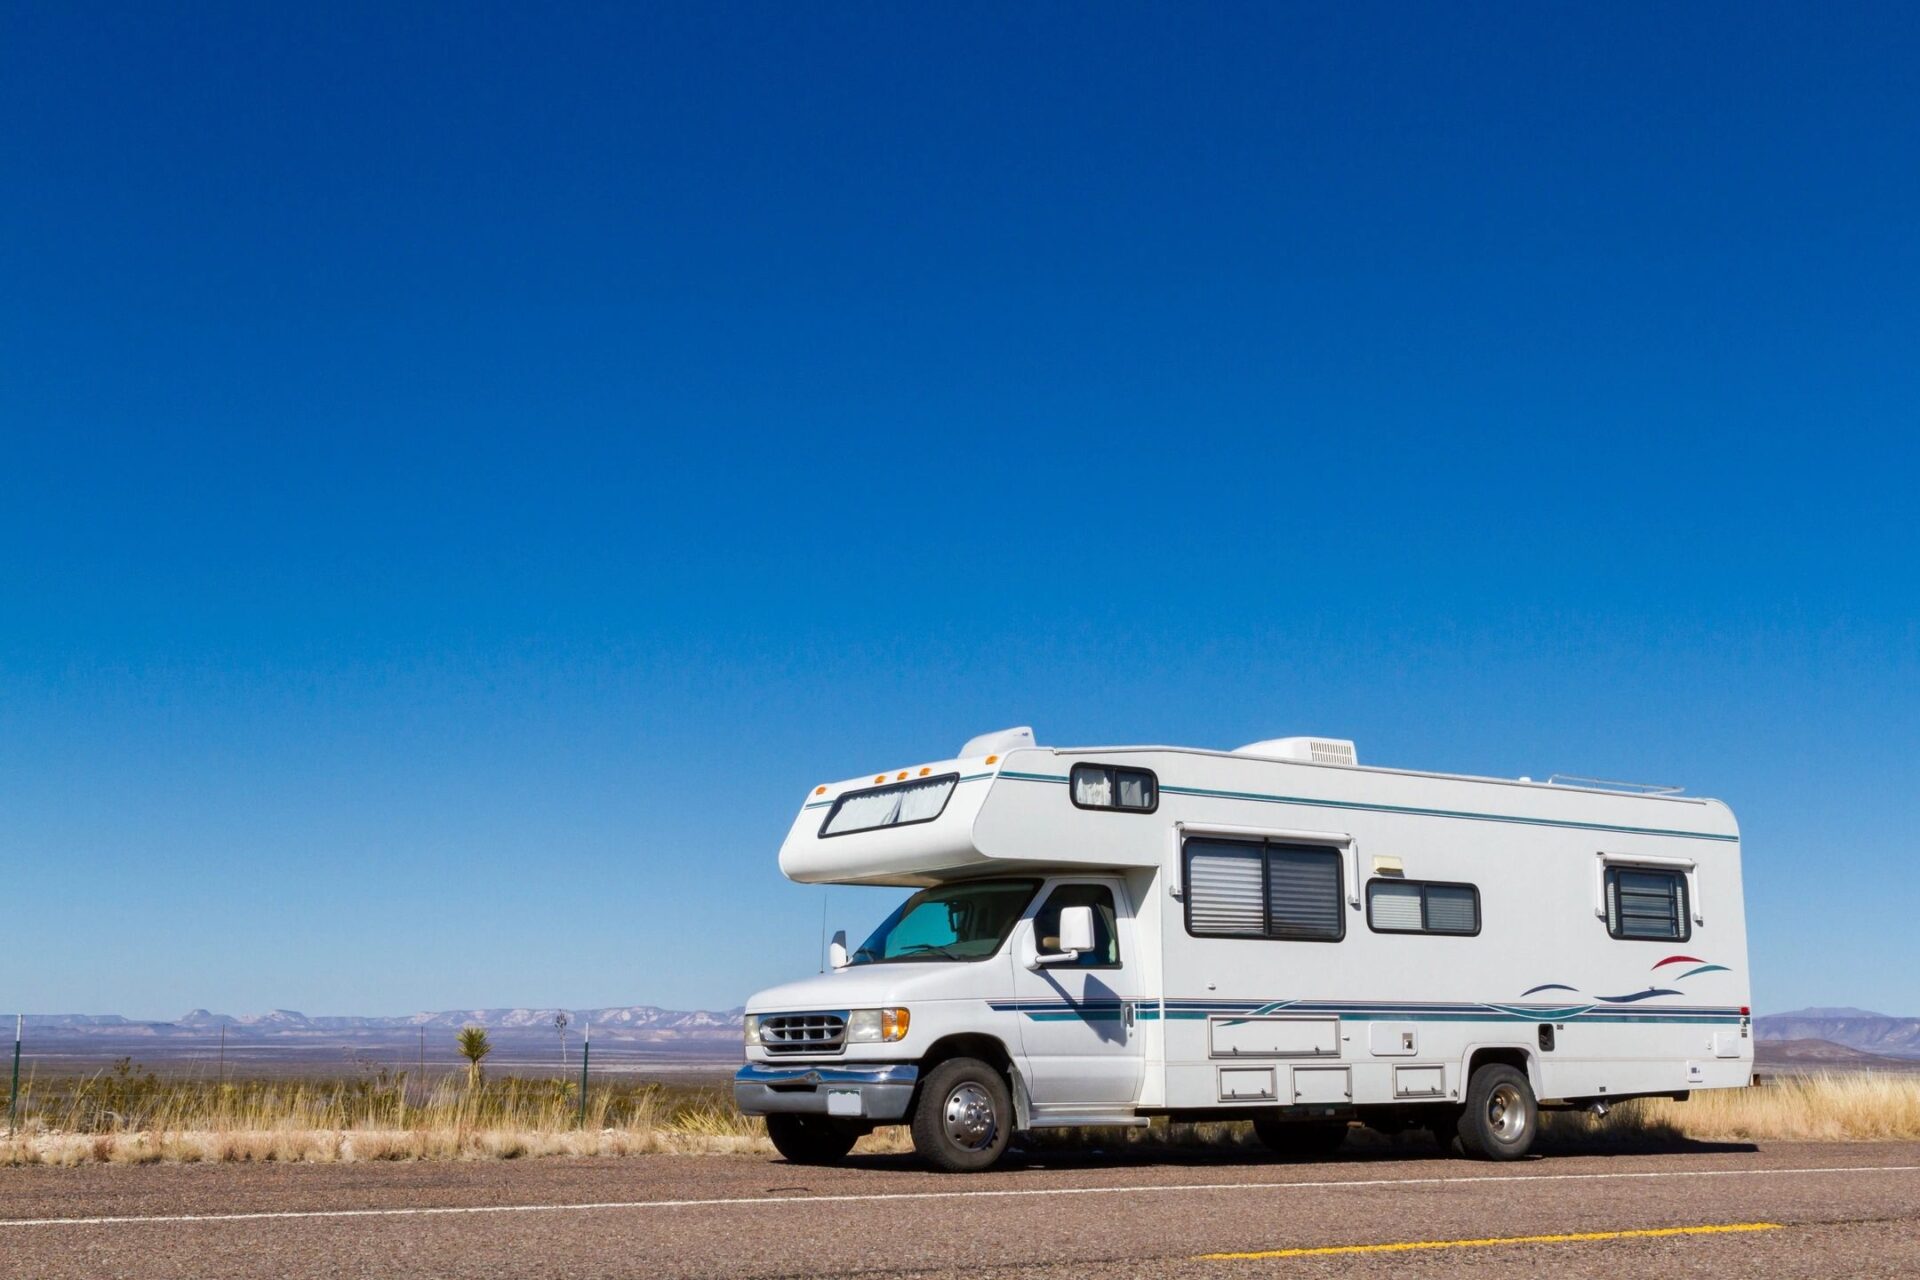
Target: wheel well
(985, 1048)
(1519, 1059)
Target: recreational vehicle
(1100, 936)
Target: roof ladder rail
(1611, 784)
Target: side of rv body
(1279, 939)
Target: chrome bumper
(880, 1092)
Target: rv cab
(1103, 936)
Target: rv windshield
(950, 922)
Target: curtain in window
(1093, 787)
(889, 806)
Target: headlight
(751, 1024)
(876, 1026)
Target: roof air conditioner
(1308, 750)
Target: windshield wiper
(913, 948)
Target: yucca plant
(474, 1046)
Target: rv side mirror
(1076, 937)
(837, 950)
(1076, 929)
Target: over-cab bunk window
(899, 804)
(1263, 889)
(1100, 786)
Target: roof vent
(998, 742)
(1309, 750)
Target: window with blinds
(1645, 903)
(1263, 889)
(1421, 906)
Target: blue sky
(468, 470)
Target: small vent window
(1417, 906)
(1099, 786)
(1253, 889)
(1645, 903)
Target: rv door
(1078, 1028)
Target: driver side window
(1106, 931)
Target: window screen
(1418, 906)
(1097, 786)
(1249, 889)
(892, 806)
(1644, 903)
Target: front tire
(810, 1139)
(964, 1117)
(1300, 1139)
(1501, 1115)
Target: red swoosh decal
(1679, 960)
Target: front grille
(803, 1032)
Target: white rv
(1278, 933)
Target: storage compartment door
(1322, 1085)
(1255, 1037)
(1419, 1082)
(1247, 1084)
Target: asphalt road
(1782, 1210)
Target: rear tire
(1501, 1116)
(810, 1139)
(964, 1117)
(1301, 1139)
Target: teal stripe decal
(1465, 815)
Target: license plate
(843, 1102)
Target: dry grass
(123, 1117)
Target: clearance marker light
(902, 777)
(819, 791)
(879, 777)
(991, 759)
(925, 771)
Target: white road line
(983, 1194)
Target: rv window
(1106, 939)
(1417, 906)
(1248, 889)
(1095, 786)
(1644, 903)
(898, 805)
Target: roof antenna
(823, 927)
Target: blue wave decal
(1648, 994)
(1705, 968)
(1538, 1013)
(1549, 986)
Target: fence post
(13, 1095)
(586, 1048)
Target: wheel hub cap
(1507, 1113)
(969, 1117)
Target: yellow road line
(1407, 1246)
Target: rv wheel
(964, 1116)
(810, 1139)
(1501, 1115)
(1300, 1139)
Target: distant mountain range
(626, 1022)
(1861, 1029)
